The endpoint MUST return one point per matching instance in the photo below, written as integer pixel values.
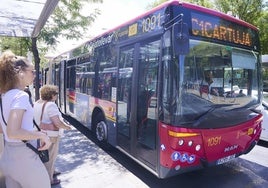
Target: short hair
(48, 91)
(10, 65)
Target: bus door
(146, 110)
(62, 94)
(124, 95)
(56, 80)
(137, 101)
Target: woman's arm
(14, 130)
(59, 123)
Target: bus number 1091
(151, 23)
(213, 141)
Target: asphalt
(85, 165)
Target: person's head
(15, 72)
(49, 92)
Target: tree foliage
(17, 45)
(204, 3)
(247, 10)
(262, 23)
(155, 3)
(67, 21)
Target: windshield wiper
(222, 105)
(247, 106)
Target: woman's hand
(44, 142)
(67, 127)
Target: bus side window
(89, 86)
(107, 72)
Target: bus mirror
(180, 38)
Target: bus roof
(184, 4)
(166, 4)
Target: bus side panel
(82, 109)
(109, 110)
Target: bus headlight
(190, 143)
(197, 147)
(180, 142)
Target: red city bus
(176, 89)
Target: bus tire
(101, 131)
(100, 128)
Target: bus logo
(133, 29)
(230, 148)
(248, 132)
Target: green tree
(247, 10)
(155, 3)
(262, 24)
(66, 22)
(204, 3)
(17, 45)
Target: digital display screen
(219, 29)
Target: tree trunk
(36, 65)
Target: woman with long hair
(20, 165)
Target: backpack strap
(2, 110)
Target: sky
(113, 13)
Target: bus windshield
(212, 80)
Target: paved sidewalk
(83, 164)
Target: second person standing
(48, 117)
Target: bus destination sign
(219, 29)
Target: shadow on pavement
(227, 175)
